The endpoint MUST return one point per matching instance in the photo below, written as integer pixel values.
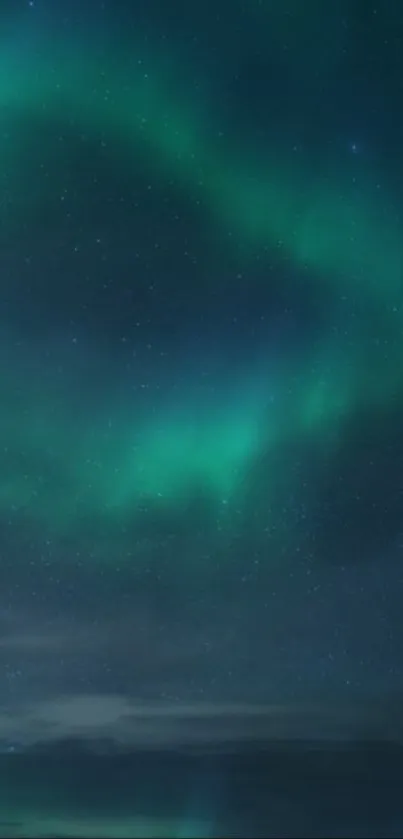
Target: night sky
(201, 350)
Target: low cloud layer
(102, 721)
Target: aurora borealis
(201, 340)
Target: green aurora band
(328, 221)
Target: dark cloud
(103, 721)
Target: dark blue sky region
(201, 341)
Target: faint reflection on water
(279, 792)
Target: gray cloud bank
(96, 720)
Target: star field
(201, 344)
